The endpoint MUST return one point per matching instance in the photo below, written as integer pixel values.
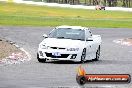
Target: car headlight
(43, 46)
(72, 49)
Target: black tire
(97, 54)
(83, 55)
(40, 60)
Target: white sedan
(69, 43)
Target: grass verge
(31, 15)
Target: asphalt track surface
(115, 59)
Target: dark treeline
(110, 3)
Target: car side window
(88, 34)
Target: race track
(115, 58)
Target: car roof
(72, 27)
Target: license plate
(56, 54)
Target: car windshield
(66, 33)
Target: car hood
(63, 43)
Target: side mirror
(89, 39)
(45, 36)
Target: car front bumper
(64, 54)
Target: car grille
(56, 48)
(62, 55)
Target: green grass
(29, 15)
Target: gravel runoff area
(10, 53)
(126, 41)
(72, 6)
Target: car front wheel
(83, 55)
(40, 60)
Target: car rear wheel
(83, 55)
(40, 60)
(97, 54)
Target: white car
(70, 43)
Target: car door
(89, 44)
